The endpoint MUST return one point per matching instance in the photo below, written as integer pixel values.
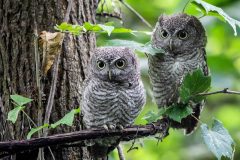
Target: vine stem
(35, 125)
(224, 91)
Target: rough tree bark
(19, 20)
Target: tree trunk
(20, 21)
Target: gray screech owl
(183, 39)
(113, 94)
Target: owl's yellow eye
(120, 63)
(182, 34)
(164, 33)
(101, 64)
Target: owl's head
(115, 64)
(178, 33)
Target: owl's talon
(111, 126)
(120, 127)
(105, 127)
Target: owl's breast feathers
(111, 103)
(167, 72)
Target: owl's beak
(110, 75)
(170, 44)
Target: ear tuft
(161, 18)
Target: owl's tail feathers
(190, 122)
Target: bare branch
(120, 153)
(55, 76)
(69, 8)
(184, 8)
(136, 13)
(224, 91)
(129, 133)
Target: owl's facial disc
(113, 69)
(173, 40)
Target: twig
(136, 13)
(185, 6)
(29, 118)
(109, 15)
(1, 105)
(224, 91)
(54, 79)
(201, 16)
(50, 150)
(126, 134)
(54, 82)
(196, 118)
(162, 134)
(133, 143)
(120, 152)
(51, 94)
(38, 80)
(69, 8)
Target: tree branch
(136, 13)
(129, 133)
(224, 91)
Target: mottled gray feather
(181, 56)
(116, 101)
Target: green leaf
(145, 48)
(67, 119)
(91, 27)
(193, 84)
(178, 112)
(152, 116)
(108, 29)
(65, 27)
(148, 48)
(78, 110)
(34, 130)
(218, 140)
(122, 30)
(111, 23)
(20, 100)
(13, 114)
(76, 29)
(102, 28)
(211, 10)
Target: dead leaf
(51, 46)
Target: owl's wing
(190, 122)
(85, 84)
(205, 66)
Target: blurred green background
(223, 53)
